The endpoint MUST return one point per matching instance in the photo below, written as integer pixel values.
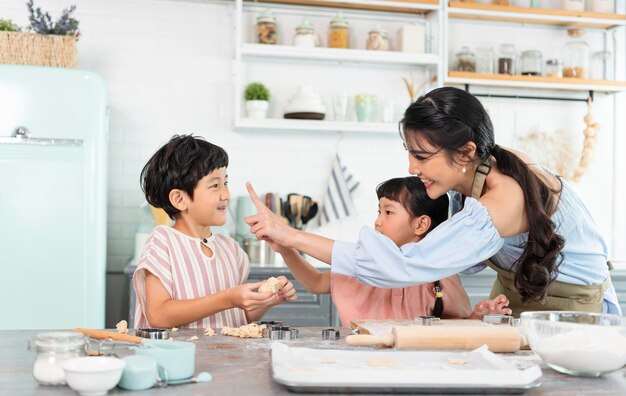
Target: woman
(514, 216)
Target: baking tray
(310, 370)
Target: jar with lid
(52, 348)
(465, 61)
(506, 59)
(603, 6)
(378, 39)
(305, 35)
(576, 55)
(602, 66)
(485, 60)
(531, 61)
(554, 68)
(339, 32)
(574, 5)
(266, 28)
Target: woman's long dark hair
(449, 118)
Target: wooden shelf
(260, 51)
(404, 6)
(542, 16)
(279, 124)
(535, 82)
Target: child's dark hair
(179, 164)
(411, 194)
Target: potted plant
(257, 100)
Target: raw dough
(251, 330)
(209, 332)
(271, 284)
(381, 361)
(192, 338)
(122, 327)
(174, 329)
(457, 361)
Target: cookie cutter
(280, 333)
(426, 320)
(330, 334)
(153, 334)
(270, 323)
(498, 319)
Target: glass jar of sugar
(52, 348)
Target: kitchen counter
(242, 367)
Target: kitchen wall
(168, 69)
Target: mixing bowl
(93, 376)
(577, 343)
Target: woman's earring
(464, 170)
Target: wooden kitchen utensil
(109, 335)
(497, 338)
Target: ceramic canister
(140, 373)
(176, 358)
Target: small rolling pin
(498, 339)
(105, 335)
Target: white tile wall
(167, 65)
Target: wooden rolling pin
(497, 338)
(105, 335)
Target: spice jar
(52, 348)
(554, 68)
(485, 60)
(465, 61)
(378, 39)
(576, 55)
(266, 28)
(532, 61)
(602, 66)
(506, 59)
(574, 5)
(305, 35)
(339, 32)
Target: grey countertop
(242, 367)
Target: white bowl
(577, 343)
(93, 376)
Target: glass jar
(485, 60)
(339, 32)
(576, 55)
(52, 348)
(602, 66)
(603, 6)
(465, 61)
(574, 5)
(266, 28)
(506, 59)
(531, 61)
(305, 35)
(378, 39)
(554, 68)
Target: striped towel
(337, 202)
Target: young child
(187, 276)
(405, 215)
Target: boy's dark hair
(411, 194)
(179, 164)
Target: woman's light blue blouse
(469, 237)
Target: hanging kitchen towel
(337, 202)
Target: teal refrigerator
(53, 135)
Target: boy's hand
(245, 297)
(496, 306)
(288, 291)
(266, 225)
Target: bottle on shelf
(576, 55)
(378, 39)
(305, 35)
(267, 28)
(574, 5)
(602, 6)
(554, 68)
(485, 60)
(531, 63)
(506, 59)
(602, 66)
(465, 60)
(339, 32)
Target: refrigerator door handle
(21, 135)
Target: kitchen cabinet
(308, 310)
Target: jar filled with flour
(52, 348)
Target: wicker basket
(20, 48)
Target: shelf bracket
(590, 97)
